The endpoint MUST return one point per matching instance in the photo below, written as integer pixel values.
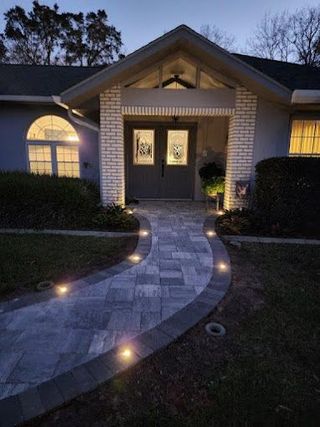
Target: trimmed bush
(211, 187)
(43, 201)
(287, 194)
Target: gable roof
(41, 80)
(45, 80)
(185, 39)
(293, 76)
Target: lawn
(264, 372)
(25, 260)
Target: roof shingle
(47, 80)
(41, 80)
(293, 76)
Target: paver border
(61, 389)
(143, 248)
(276, 240)
(79, 233)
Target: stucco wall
(272, 132)
(14, 123)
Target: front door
(160, 160)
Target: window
(305, 138)
(53, 147)
(52, 128)
(68, 161)
(40, 159)
(177, 73)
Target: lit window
(68, 161)
(60, 154)
(52, 128)
(40, 159)
(208, 82)
(305, 138)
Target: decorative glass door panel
(143, 146)
(177, 147)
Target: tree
(73, 43)
(89, 40)
(305, 35)
(271, 37)
(289, 37)
(46, 36)
(3, 49)
(217, 36)
(32, 37)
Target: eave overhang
(181, 38)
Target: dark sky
(140, 21)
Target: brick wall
(112, 163)
(240, 145)
(112, 168)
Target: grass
(264, 372)
(25, 260)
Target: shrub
(238, 221)
(287, 193)
(43, 201)
(211, 187)
(115, 216)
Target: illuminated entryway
(160, 160)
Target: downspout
(78, 120)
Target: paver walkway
(42, 340)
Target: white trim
(27, 98)
(82, 122)
(305, 96)
(135, 110)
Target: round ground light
(215, 329)
(43, 286)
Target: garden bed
(248, 223)
(26, 260)
(49, 202)
(265, 368)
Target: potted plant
(213, 183)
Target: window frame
(53, 146)
(302, 118)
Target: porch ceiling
(187, 40)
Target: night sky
(140, 21)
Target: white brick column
(240, 145)
(112, 167)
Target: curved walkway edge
(78, 233)
(143, 248)
(272, 240)
(57, 391)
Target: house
(143, 126)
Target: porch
(219, 126)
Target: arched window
(53, 147)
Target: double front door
(160, 161)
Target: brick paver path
(42, 340)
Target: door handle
(162, 168)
